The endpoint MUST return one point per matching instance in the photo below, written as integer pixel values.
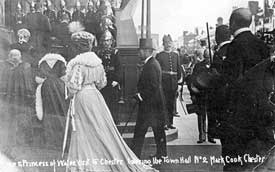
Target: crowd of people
(232, 90)
(68, 64)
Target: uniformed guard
(63, 11)
(111, 63)
(78, 15)
(90, 21)
(171, 71)
(49, 12)
(107, 24)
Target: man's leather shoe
(171, 127)
(176, 115)
(211, 140)
(200, 141)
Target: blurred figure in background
(63, 11)
(78, 15)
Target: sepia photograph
(137, 86)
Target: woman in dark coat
(51, 104)
(51, 69)
(16, 88)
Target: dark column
(148, 28)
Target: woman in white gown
(96, 144)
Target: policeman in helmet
(171, 72)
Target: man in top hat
(250, 133)
(107, 24)
(151, 102)
(63, 11)
(90, 21)
(111, 62)
(171, 72)
(49, 12)
(78, 15)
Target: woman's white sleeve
(102, 82)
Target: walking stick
(66, 129)
(130, 117)
(183, 107)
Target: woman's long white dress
(96, 144)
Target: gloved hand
(137, 97)
(114, 84)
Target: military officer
(107, 24)
(63, 11)
(77, 14)
(49, 12)
(171, 71)
(111, 63)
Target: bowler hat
(146, 43)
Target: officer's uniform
(111, 63)
(171, 73)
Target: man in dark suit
(171, 70)
(151, 102)
(246, 133)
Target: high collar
(241, 30)
(222, 44)
(147, 59)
